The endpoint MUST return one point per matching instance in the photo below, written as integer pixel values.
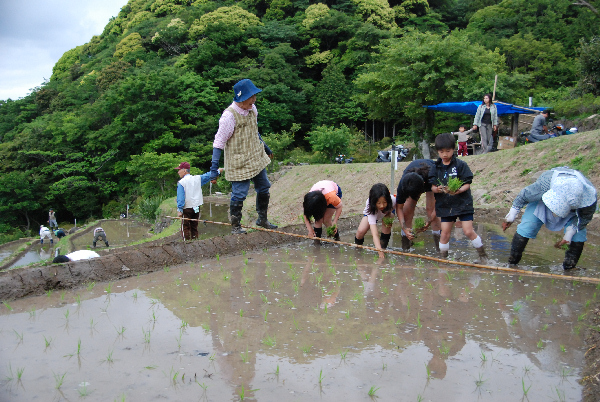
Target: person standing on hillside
(52, 219)
(486, 119)
(561, 199)
(246, 155)
(189, 199)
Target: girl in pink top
(324, 198)
(379, 205)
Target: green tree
(330, 141)
(589, 61)
(154, 172)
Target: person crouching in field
(453, 205)
(380, 205)
(414, 182)
(99, 234)
(561, 199)
(321, 202)
(45, 233)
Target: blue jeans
(530, 225)
(239, 189)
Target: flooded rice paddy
(118, 232)
(301, 323)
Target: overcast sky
(34, 34)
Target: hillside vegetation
(120, 111)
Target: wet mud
(299, 322)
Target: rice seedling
(226, 276)
(295, 323)
(151, 367)
(212, 357)
(245, 355)
(513, 322)
(517, 307)
(428, 370)
(49, 292)
(263, 298)
(330, 330)
(440, 313)
(206, 327)
(203, 386)
(565, 372)
(581, 317)
(277, 370)
(367, 336)
(269, 341)
(241, 312)
(418, 223)
(388, 221)
(67, 315)
(577, 329)
(32, 312)
(306, 349)
(147, 335)
(331, 230)
(177, 282)
(454, 184)
(62, 295)
(19, 335)
(208, 309)
(217, 290)
(20, 373)
(480, 380)
(47, 341)
(184, 324)
(78, 346)
(385, 290)
(83, 389)
(449, 276)
(444, 349)
(58, 380)
(166, 269)
(7, 306)
(343, 354)
(562, 348)
(245, 261)
(266, 314)
(419, 398)
(545, 327)
(240, 332)
(525, 390)
(243, 392)
(108, 288)
(321, 377)
(372, 391)
(540, 344)
(347, 313)
(528, 297)
(419, 325)
(560, 394)
(109, 357)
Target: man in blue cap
(246, 155)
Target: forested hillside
(122, 109)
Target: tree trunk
(27, 218)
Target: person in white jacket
(45, 233)
(76, 256)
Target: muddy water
(37, 252)
(119, 233)
(8, 249)
(302, 323)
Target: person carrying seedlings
(415, 181)
(45, 233)
(60, 233)
(99, 234)
(75, 256)
(246, 155)
(321, 202)
(486, 119)
(189, 199)
(52, 219)
(561, 199)
(462, 137)
(453, 198)
(380, 204)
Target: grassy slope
(500, 175)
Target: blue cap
(244, 89)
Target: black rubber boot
(406, 243)
(94, 244)
(385, 240)
(235, 211)
(444, 254)
(572, 255)
(483, 258)
(360, 242)
(436, 241)
(41, 241)
(262, 205)
(51, 241)
(318, 233)
(106, 243)
(516, 249)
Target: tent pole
(495, 83)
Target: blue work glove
(214, 167)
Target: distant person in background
(60, 233)
(561, 199)
(99, 234)
(75, 256)
(539, 129)
(45, 233)
(486, 119)
(189, 199)
(52, 219)
(321, 203)
(462, 137)
(246, 155)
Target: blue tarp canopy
(471, 108)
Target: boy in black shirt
(458, 204)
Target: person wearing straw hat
(246, 155)
(562, 199)
(189, 199)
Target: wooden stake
(495, 83)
